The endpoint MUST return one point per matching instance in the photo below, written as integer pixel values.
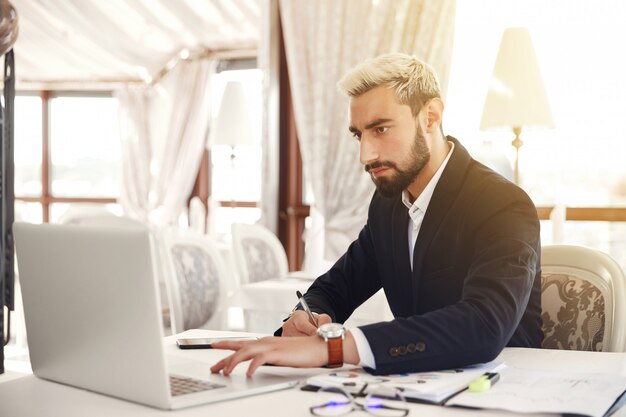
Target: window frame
(600, 214)
(46, 199)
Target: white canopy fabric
(121, 41)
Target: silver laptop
(93, 320)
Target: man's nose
(368, 150)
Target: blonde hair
(413, 81)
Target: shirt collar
(419, 206)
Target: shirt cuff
(363, 347)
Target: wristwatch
(333, 334)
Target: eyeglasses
(334, 401)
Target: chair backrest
(583, 294)
(259, 255)
(97, 216)
(109, 221)
(78, 211)
(194, 275)
(197, 215)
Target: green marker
(484, 383)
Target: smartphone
(206, 342)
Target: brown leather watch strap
(335, 352)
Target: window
(28, 146)
(84, 147)
(67, 154)
(579, 164)
(236, 172)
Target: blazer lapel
(441, 201)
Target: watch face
(331, 330)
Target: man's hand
(301, 352)
(299, 324)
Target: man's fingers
(244, 351)
(255, 363)
(215, 369)
(227, 364)
(291, 330)
(234, 360)
(323, 319)
(230, 344)
(297, 325)
(283, 351)
(304, 326)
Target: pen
(485, 382)
(306, 308)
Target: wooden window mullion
(45, 155)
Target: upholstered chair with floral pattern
(583, 300)
(195, 278)
(259, 255)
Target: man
(454, 245)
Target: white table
(279, 296)
(30, 396)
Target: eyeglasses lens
(332, 401)
(386, 404)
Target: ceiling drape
(100, 41)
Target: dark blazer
(475, 285)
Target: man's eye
(357, 136)
(381, 129)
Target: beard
(418, 157)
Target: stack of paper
(532, 391)
(518, 390)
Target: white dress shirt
(417, 210)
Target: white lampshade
(233, 126)
(516, 97)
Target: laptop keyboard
(181, 385)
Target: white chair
(97, 215)
(107, 220)
(583, 300)
(82, 213)
(197, 215)
(195, 277)
(259, 255)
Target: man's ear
(433, 111)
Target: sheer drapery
(164, 131)
(134, 111)
(325, 38)
(269, 63)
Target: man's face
(393, 148)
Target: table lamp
(516, 98)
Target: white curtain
(164, 131)
(325, 38)
(269, 63)
(134, 116)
